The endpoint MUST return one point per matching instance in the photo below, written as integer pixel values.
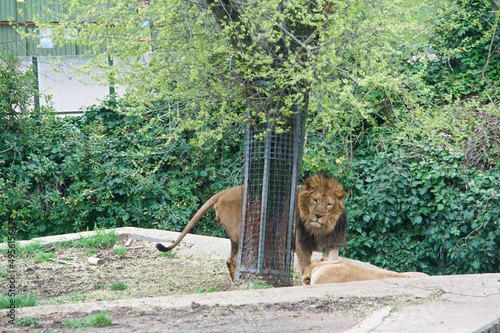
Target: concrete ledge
(191, 244)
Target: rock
(95, 261)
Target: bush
(463, 52)
(111, 169)
(17, 89)
(419, 207)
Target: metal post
(34, 61)
(293, 194)
(111, 82)
(263, 208)
(246, 156)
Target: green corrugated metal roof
(8, 10)
(16, 11)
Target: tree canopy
(233, 51)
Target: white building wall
(70, 95)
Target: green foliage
(32, 248)
(72, 323)
(468, 127)
(101, 238)
(203, 291)
(463, 53)
(118, 286)
(20, 300)
(344, 51)
(27, 321)
(43, 256)
(17, 89)
(169, 254)
(120, 250)
(100, 319)
(255, 284)
(110, 169)
(420, 207)
(77, 297)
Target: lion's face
(321, 203)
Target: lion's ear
(324, 259)
(306, 279)
(342, 195)
(307, 184)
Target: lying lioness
(322, 270)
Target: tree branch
(489, 55)
(226, 13)
(4, 151)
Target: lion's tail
(206, 206)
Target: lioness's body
(322, 271)
(321, 223)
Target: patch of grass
(49, 330)
(120, 250)
(100, 319)
(72, 323)
(58, 247)
(255, 284)
(43, 256)
(118, 286)
(76, 297)
(27, 321)
(30, 248)
(20, 300)
(91, 252)
(102, 238)
(203, 291)
(169, 254)
(65, 244)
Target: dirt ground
(147, 274)
(142, 269)
(321, 315)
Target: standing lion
(321, 224)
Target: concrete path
(458, 303)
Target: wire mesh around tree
(271, 171)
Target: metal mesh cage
(271, 172)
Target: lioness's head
(321, 203)
(306, 277)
